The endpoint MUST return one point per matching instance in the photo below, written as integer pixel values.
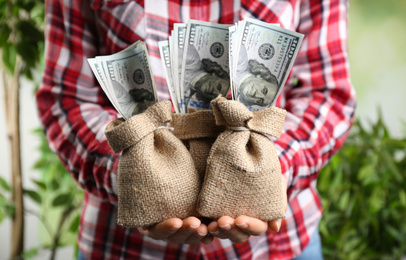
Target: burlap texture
(156, 176)
(198, 131)
(243, 175)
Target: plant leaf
(33, 195)
(9, 57)
(30, 253)
(2, 215)
(62, 199)
(4, 184)
(9, 210)
(4, 34)
(40, 185)
(74, 226)
(29, 31)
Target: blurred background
(363, 188)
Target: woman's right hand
(175, 230)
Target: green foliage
(30, 253)
(21, 35)
(364, 196)
(59, 199)
(6, 205)
(56, 193)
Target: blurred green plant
(21, 35)
(363, 190)
(21, 51)
(56, 193)
(59, 199)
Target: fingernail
(202, 234)
(226, 227)
(174, 228)
(194, 227)
(278, 224)
(242, 225)
(215, 233)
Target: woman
(74, 113)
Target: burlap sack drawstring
(156, 176)
(168, 126)
(238, 128)
(243, 174)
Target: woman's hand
(191, 230)
(175, 230)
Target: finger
(190, 225)
(275, 225)
(284, 188)
(162, 230)
(208, 239)
(214, 228)
(198, 235)
(251, 226)
(215, 231)
(231, 231)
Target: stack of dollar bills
(249, 61)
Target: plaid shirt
(74, 111)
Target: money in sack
(156, 176)
(243, 175)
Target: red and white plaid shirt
(74, 111)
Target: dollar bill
(130, 81)
(265, 56)
(165, 53)
(179, 34)
(205, 67)
(98, 71)
(172, 48)
(232, 46)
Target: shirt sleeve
(73, 109)
(322, 102)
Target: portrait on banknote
(204, 79)
(256, 83)
(205, 67)
(265, 56)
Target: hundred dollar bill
(179, 33)
(266, 53)
(130, 80)
(97, 69)
(176, 89)
(165, 53)
(235, 32)
(232, 46)
(170, 48)
(205, 68)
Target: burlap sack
(156, 176)
(243, 175)
(198, 131)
